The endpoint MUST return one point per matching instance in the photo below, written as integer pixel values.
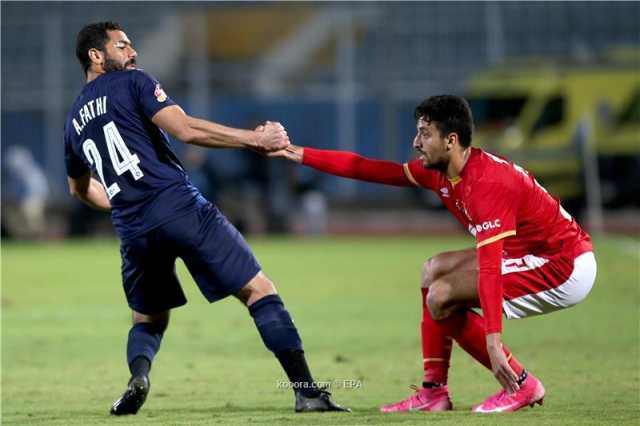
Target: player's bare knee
(264, 286)
(259, 287)
(160, 320)
(434, 268)
(428, 275)
(437, 302)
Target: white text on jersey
(484, 226)
(89, 111)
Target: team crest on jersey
(444, 192)
(159, 93)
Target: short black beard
(111, 65)
(440, 166)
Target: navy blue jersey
(110, 133)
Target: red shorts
(534, 285)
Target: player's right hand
(271, 137)
(292, 153)
(500, 367)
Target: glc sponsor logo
(490, 224)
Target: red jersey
(496, 199)
(500, 203)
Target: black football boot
(133, 398)
(320, 403)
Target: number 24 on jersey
(122, 160)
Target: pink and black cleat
(531, 392)
(424, 399)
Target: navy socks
(274, 324)
(140, 366)
(295, 365)
(142, 346)
(281, 337)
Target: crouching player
(531, 257)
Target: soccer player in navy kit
(118, 158)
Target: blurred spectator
(25, 193)
(315, 211)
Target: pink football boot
(425, 399)
(531, 392)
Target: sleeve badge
(159, 93)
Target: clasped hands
(273, 141)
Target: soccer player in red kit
(531, 257)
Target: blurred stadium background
(554, 85)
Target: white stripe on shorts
(567, 294)
(525, 263)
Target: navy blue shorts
(215, 253)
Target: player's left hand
(271, 136)
(502, 371)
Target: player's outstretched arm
(213, 135)
(347, 164)
(89, 191)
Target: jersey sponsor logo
(159, 93)
(489, 224)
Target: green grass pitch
(357, 305)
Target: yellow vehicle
(542, 115)
(617, 141)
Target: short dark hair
(449, 113)
(93, 36)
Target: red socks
(436, 347)
(467, 329)
(513, 362)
